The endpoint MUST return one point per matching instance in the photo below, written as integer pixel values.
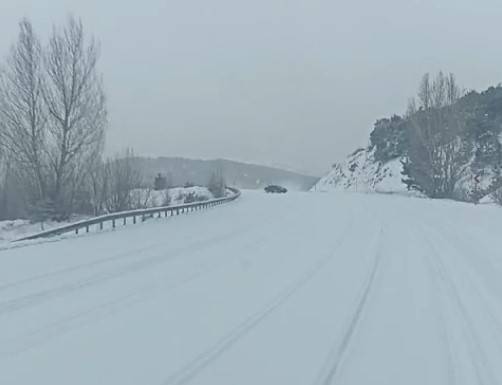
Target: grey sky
(289, 83)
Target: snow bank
(15, 229)
(19, 228)
(362, 173)
(174, 196)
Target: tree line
(53, 118)
(448, 140)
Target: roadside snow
(173, 196)
(296, 289)
(361, 173)
(14, 229)
(11, 230)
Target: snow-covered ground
(11, 230)
(296, 289)
(171, 196)
(360, 172)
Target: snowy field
(294, 289)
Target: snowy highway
(294, 289)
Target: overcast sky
(292, 83)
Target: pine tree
(217, 185)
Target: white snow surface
(360, 172)
(293, 289)
(11, 230)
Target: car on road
(275, 189)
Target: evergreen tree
(217, 185)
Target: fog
(295, 84)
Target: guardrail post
(134, 219)
(101, 225)
(76, 231)
(113, 223)
(87, 228)
(125, 221)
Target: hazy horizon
(296, 84)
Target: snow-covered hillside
(296, 289)
(360, 172)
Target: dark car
(276, 189)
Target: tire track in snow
(490, 305)
(237, 232)
(187, 372)
(477, 354)
(243, 230)
(335, 358)
(440, 312)
(81, 318)
(81, 267)
(39, 297)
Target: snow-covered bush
(497, 196)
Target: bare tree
(76, 109)
(23, 115)
(122, 177)
(98, 186)
(438, 153)
(3, 193)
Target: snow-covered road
(296, 289)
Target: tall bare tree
(23, 115)
(122, 177)
(438, 152)
(76, 108)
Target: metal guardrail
(143, 214)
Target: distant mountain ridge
(181, 170)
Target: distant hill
(238, 174)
